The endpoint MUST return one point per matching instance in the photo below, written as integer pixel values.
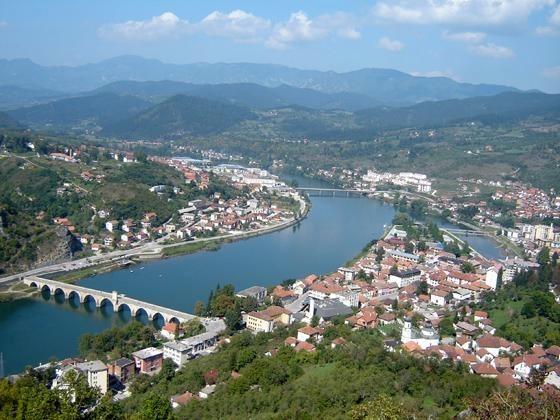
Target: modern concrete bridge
(118, 300)
(333, 191)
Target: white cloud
(467, 37)
(492, 50)
(165, 25)
(238, 25)
(300, 28)
(437, 73)
(555, 18)
(552, 72)
(390, 44)
(459, 12)
(547, 31)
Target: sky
(512, 42)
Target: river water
(336, 229)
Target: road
(153, 248)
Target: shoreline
(183, 248)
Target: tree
(467, 267)
(233, 318)
(543, 257)
(422, 247)
(500, 278)
(314, 321)
(199, 308)
(422, 288)
(155, 407)
(379, 254)
(409, 247)
(382, 407)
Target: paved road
(151, 248)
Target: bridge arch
(104, 301)
(121, 306)
(73, 293)
(59, 291)
(173, 319)
(154, 315)
(34, 284)
(46, 288)
(89, 297)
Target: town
(424, 300)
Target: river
(336, 229)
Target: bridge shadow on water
(105, 311)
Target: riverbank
(151, 253)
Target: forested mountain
(383, 85)
(12, 97)
(180, 115)
(247, 94)
(508, 106)
(8, 122)
(97, 109)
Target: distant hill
(8, 122)
(180, 115)
(96, 109)
(12, 97)
(246, 94)
(508, 106)
(385, 86)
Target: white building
(424, 337)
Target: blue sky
(514, 42)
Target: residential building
(264, 321)
(148, 360)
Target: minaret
(407, 330)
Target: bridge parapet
(117, 300)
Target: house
(338, 342)
(290, 341)
(122, 369)
(480, 315)
(177, 351)
(326, 309)
(492, 344)
(111, 225)
(465, 328)
(439, 297)
(309, 332)
(97, 374)
(170, 331)
(523, 365)
(406, 277)
(387, 318)
(148, 360)
(367, 318)
(304, 346)
(461, 294)
(402, 256)
(553, 377)
(485, 370)
(207, 391)
(264, 321)
(180, 400)
(348, 273)
(257, 292)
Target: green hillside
(180, 115)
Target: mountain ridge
(383, 85)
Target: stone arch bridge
(117, 300)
